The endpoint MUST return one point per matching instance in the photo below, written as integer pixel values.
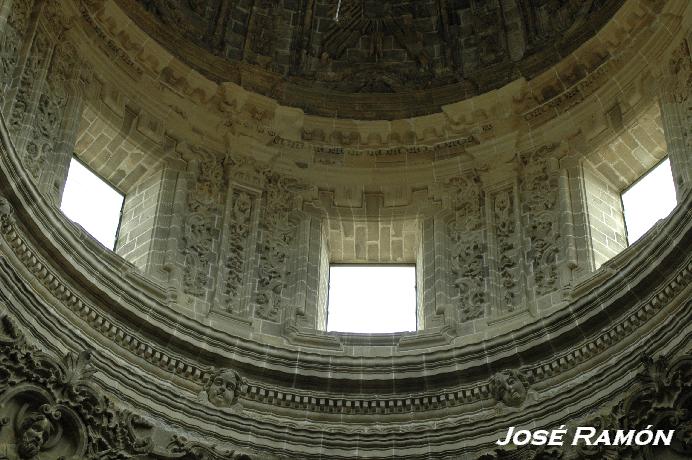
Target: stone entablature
(538, 383)
(572, 100)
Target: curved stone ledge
(140, 346)
(518, 174)
(477, 128)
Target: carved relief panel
(278, 227)
(42, 149)
(29, 84)
(540, 216)
(12, 38)
(502, 207)
(389, 41)
(466, 232)
(201, 226)
(238, 243)
(52, 409)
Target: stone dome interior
(258, 142)
(328, 57)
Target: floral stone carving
(466, 232)
(53, 410)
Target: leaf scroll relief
(29, 82)
(52, 409)
(200, 232)
(466, 232)
(278, 227)
(12, 39)
(52, 101)
(539, 197)
(507, 252)
(236, 262)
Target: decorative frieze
(50, 111)
(548, 369)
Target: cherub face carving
(510, 387)
(33, 432)
(222, 388)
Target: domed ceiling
(329, 57)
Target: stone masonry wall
(137, 224)
(605, 217)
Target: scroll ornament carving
(510, 387)
(507, 249)
(28, 82)
(466, 233)
(539, 196)
(239, 235)
(51, 409)
(12, 40)
(203, 202)
(660, 401)
(51, 105)
(278, 228)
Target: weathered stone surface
(206, 326)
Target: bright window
(92, 203)
(650, 198)
(372, 299)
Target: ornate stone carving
(236, 263)
(278, 227)
(200, 231)
(52, 409)
(12, 39)
(467, 256)
(509, 387)
(506, 251)
(223, 387)
(451, 49)
(680, 70)
(6, 212)
(30, 81)
(261, 31)
(181, 447)
(659, 401)
(55, 409)
(40, 148)
(357, 21)
(539, 198)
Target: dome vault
(258, 142)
